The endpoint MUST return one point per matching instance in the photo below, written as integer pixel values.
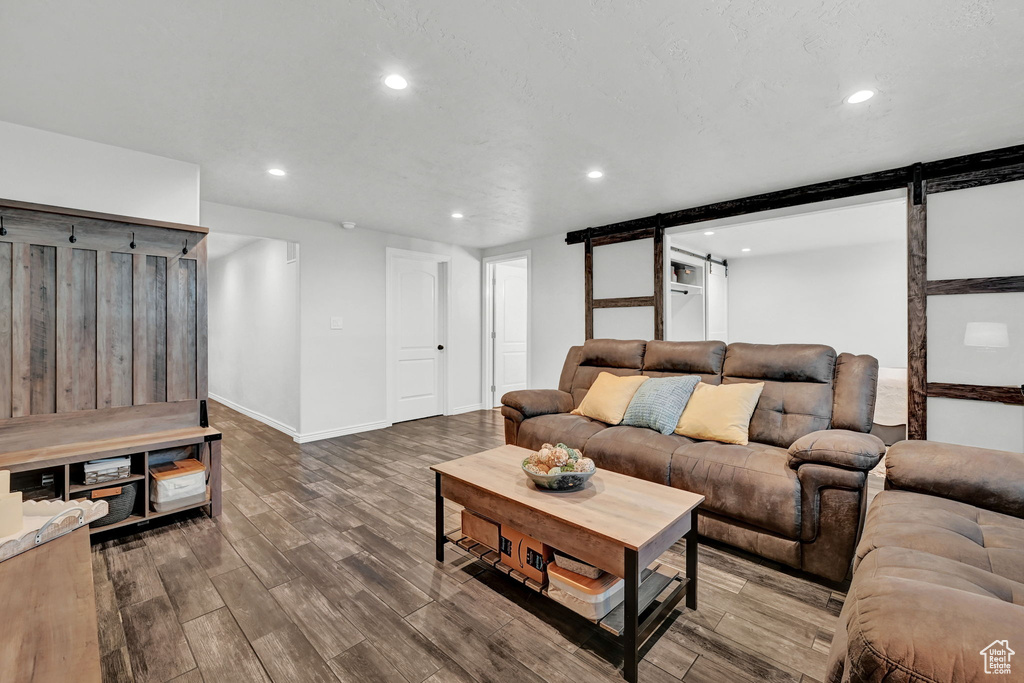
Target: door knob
(440, 347)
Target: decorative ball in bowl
(558, 468)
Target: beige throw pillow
(608, 397)
(720, 412)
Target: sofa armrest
(839, 448)
(985, 478)
(534, 402)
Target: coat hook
(132, 243)
(3, 230)
(72, 239)
(184, 249)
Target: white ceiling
(873, 223)
(220, 244)
(512, 101)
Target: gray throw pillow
(659, 402)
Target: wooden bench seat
(64, 454)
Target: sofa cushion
(752, 483)
(797, 397)
(635, 451)
(614, 353)
(704, 359)
(986, 540)
(572, 430)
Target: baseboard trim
(259, 417)
(467, 409)
(341, 431)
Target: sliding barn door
(94, 323)
(624, 287)
(967, 313)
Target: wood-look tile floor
(321, 569)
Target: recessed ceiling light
(746, 249)
(595, 174)
(456, 215)
(860, 96)
(396, 82)
(276, 171)
(709, 232)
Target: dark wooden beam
(917, 315)
(588, 287)
(625, 302)
(805, 194)
(659, 283)
(964, 181)
(971, 170)
(627, 236)
(977, 163)
(976, 392)
(976, 285)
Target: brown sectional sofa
(939, 572)
(795, 494)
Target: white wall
(47, 168)
(342, 273)
(556, 304)
(254, 332)
(853, 298)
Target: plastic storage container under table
(592, 598)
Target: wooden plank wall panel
(99, 323)
(202, 329)
(21, 342)
(149, 306)
(43, 326)
(190, 359)
(114, 329)
(76, 329)
(84, 338)
(156, 323)
(5, 329)
(140, 331)
(181, 329)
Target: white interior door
(716, 293)
(510, 328)
(418, 340)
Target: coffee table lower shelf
(659, 591)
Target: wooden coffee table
(618, 523)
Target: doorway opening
(418, 310)
(506, 326)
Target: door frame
(444, 296)
(487, 328)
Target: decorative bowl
(563, 481)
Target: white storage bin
(592, 598)
(175, 484)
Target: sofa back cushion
(704, 359)
(615, 356)
(798, 388)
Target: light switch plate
(336, 322)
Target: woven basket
(121, 505)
